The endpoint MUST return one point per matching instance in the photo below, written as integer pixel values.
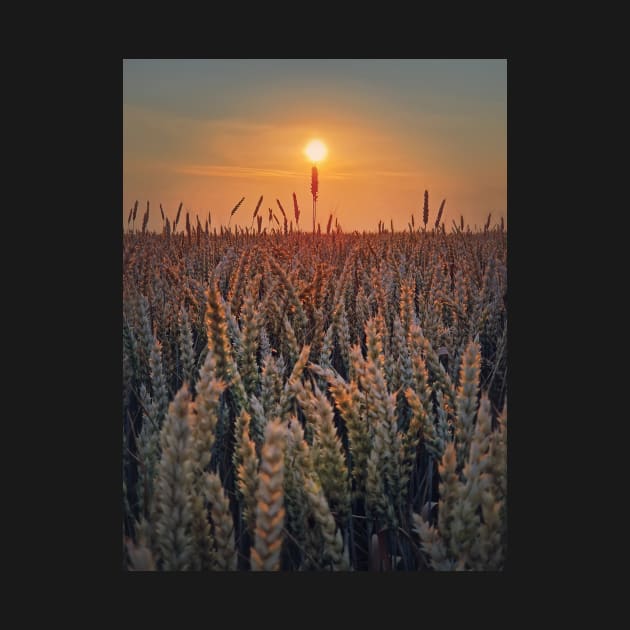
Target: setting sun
(316, 151)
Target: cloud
(248, 172)
(215, 170)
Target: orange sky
(207, 133)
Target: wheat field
(314, 401)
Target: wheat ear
(173, 487)
(265, 553)
(223, 524)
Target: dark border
(102, 382)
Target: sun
(315, 151)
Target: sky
(208, 132)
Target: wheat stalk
(265, 554)
(234, 209)
(223, 525)
(173, 487)
(466, 402)
(439, 214)
(296, 210)
(333, 543)
(425, 209)
(246, 464)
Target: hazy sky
(208, 132)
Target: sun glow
(315, 151)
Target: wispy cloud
(390, 174)
(215, 170)
(249, 172)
